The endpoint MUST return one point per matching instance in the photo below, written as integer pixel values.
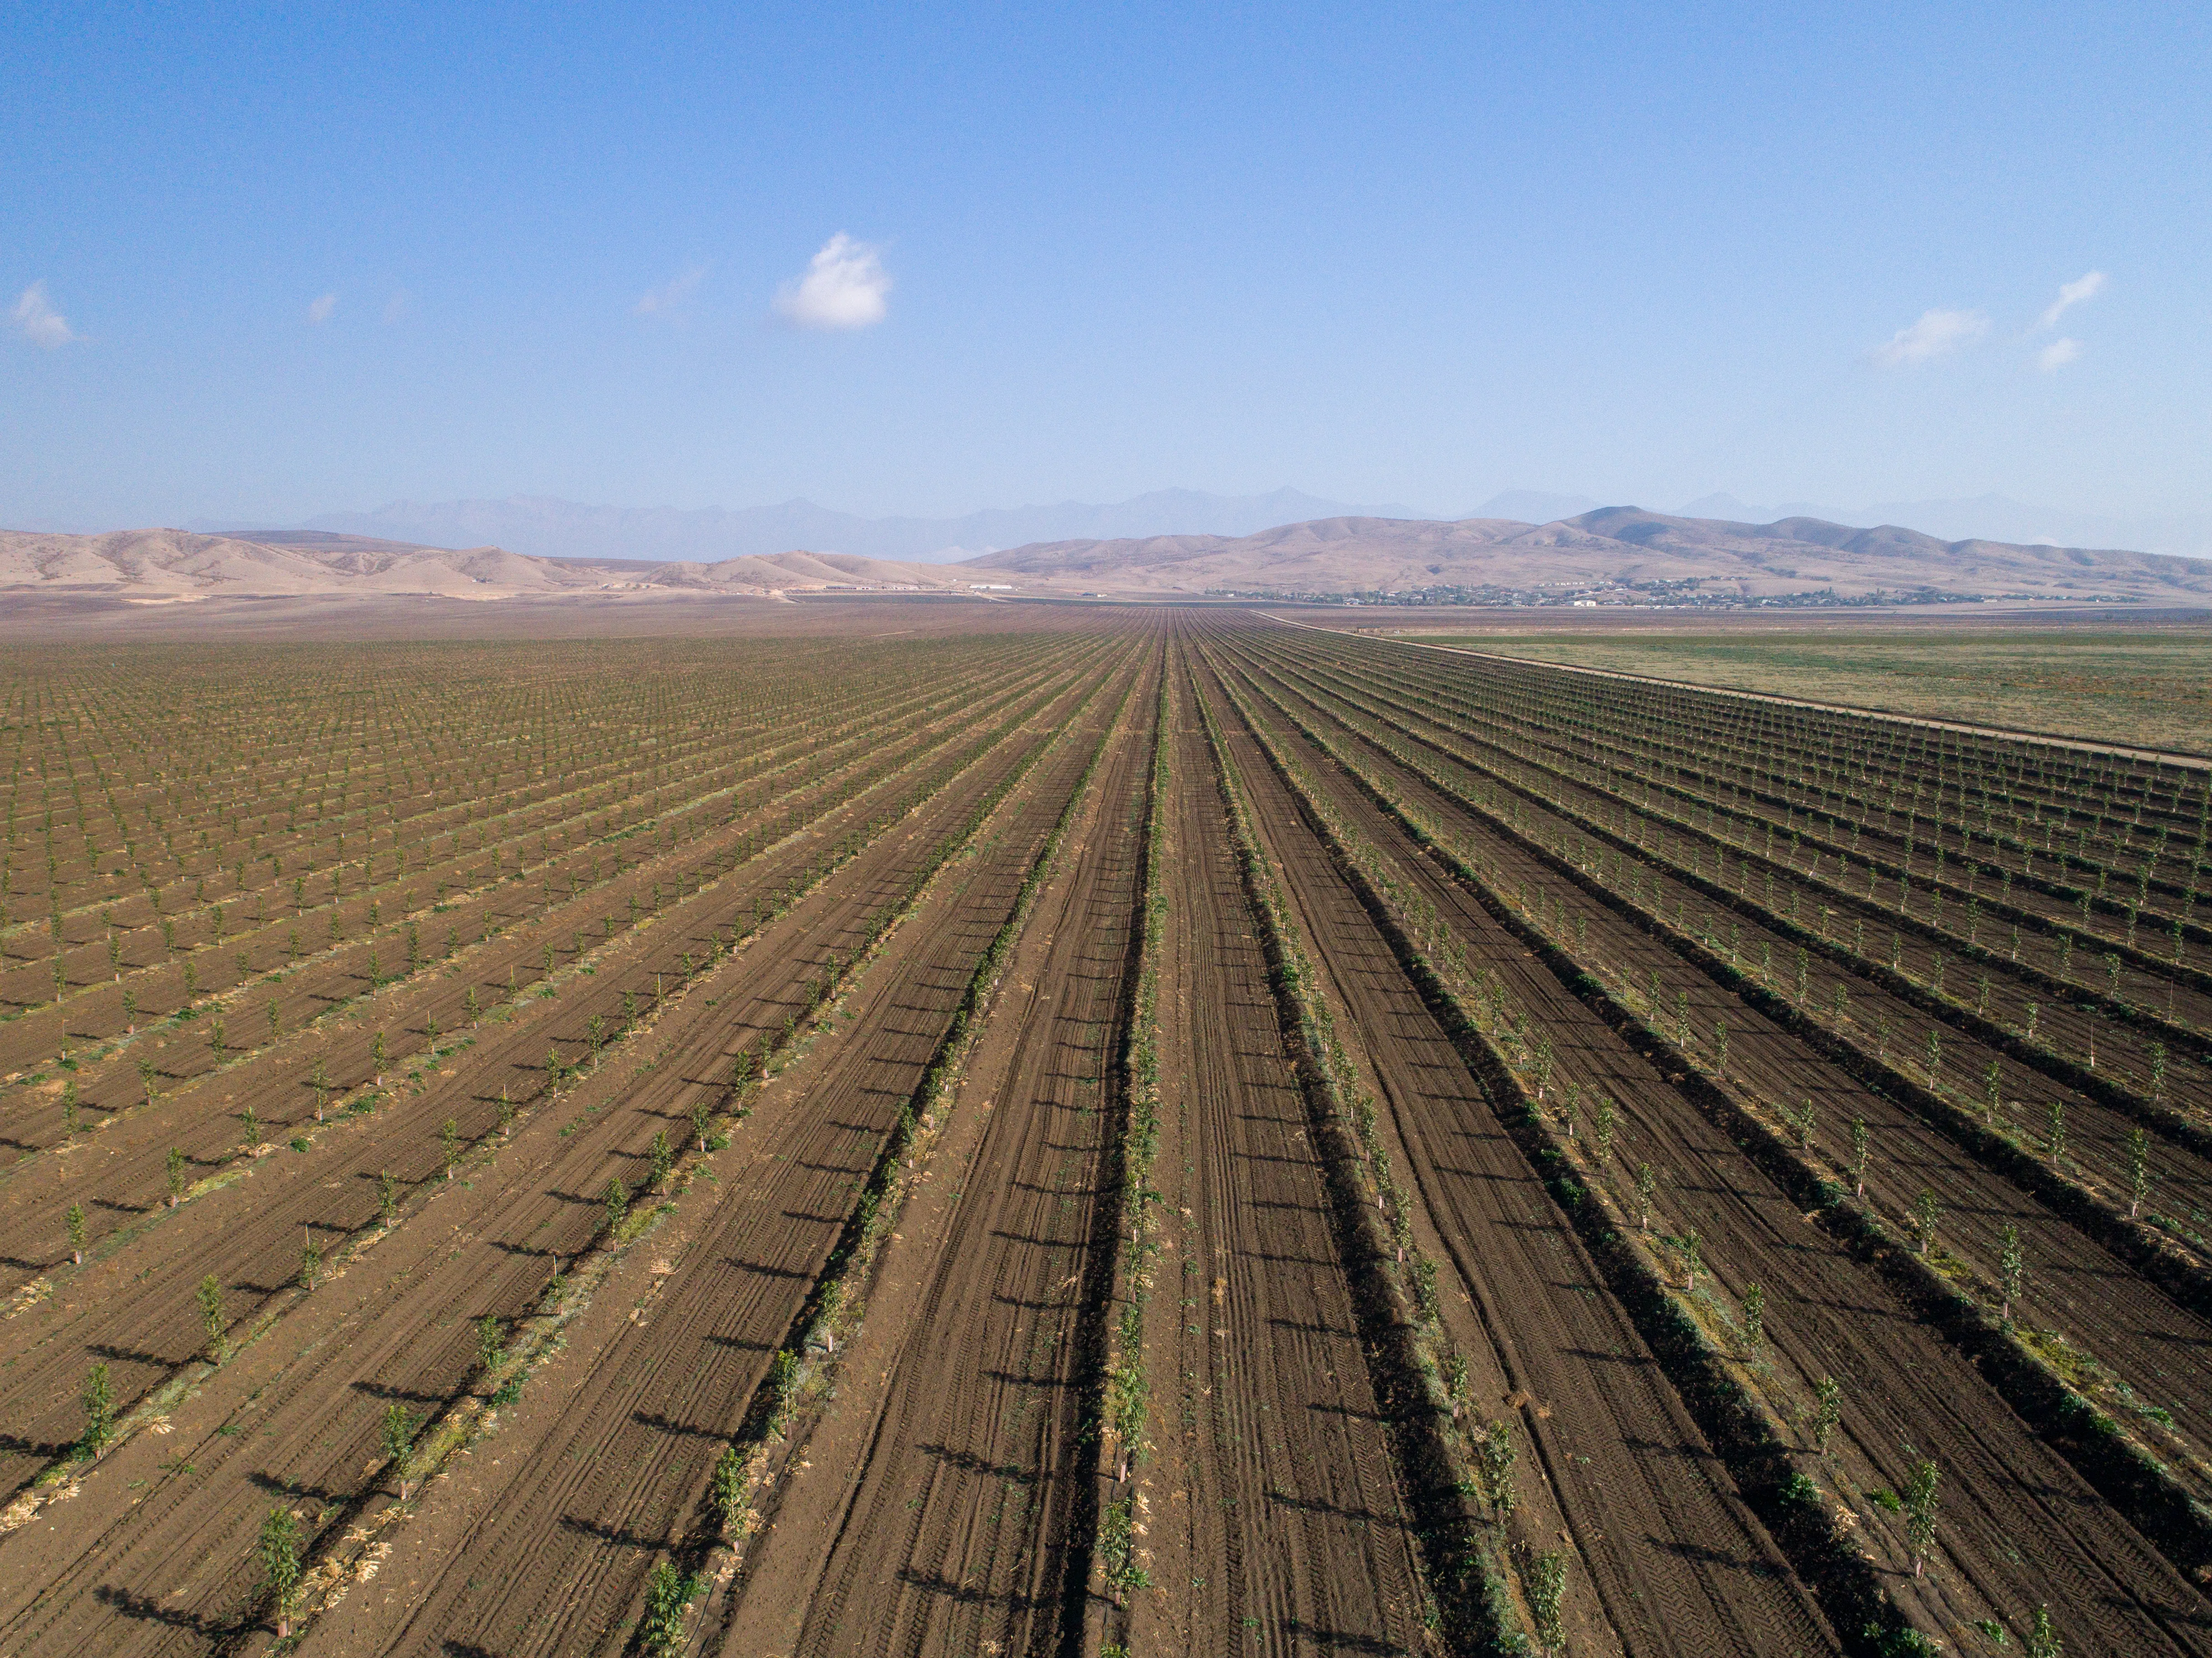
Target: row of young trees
(1521, 1042)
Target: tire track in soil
(2019, 1526)
(1679, 1562)
(133, 1308)
(403, 1335)
(1271, 1496)
(930, 1510)
(551, 1553)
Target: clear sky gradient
(265, 263)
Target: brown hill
(1614, 554)
(167, 567)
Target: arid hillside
(1617, 554)
(164, 567)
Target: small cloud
(2057, 355)
(1937, 334)
(319, 312)
(843, 288)
(670, 295)
(36, 318)
(2070, 294)
(398, 306)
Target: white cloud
(2072, 293)
(1937, 334)
(36, 318)
(397, 306)
(670, 295)
(319, 312)
(2057, 355)
(843, 288)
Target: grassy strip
(1116, 1409)
(1395, 1298)
(2048, 1394)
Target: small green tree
(2138, 1170)
(74, 1219)
(1925, 1211)
(387, 1196)
(617, 1206)
(489, 1343)
(1919, 1496)
(668, 1595)
(702, 1118)
(176, 1175)
(99, 1414)
(1647, 1184)
(1547, 1593)
(2055, 1140)
(250, 1121)
(1496, 1453)
(727, 1487)
(664, 1157)
(379, 1052)
(1601, 1127)
(69, 1110)
(1754, 1317)
(783, 1389)
(1827, 1413)
(2012, 1269)
(279, 1566)
(212, 1323)
(311, 1262)
(2042, 1639)
(1861, 1147)
(449, 1147)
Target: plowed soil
(701, 1116)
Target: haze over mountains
(1613, 556)
(551, 528)
(554, 528)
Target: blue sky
(1381, 252)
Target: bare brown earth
(2001, 1559)
(820, 952)
(936, 1505)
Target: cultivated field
(1022, 1129)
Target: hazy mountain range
(1613, 555)
(553, 528)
